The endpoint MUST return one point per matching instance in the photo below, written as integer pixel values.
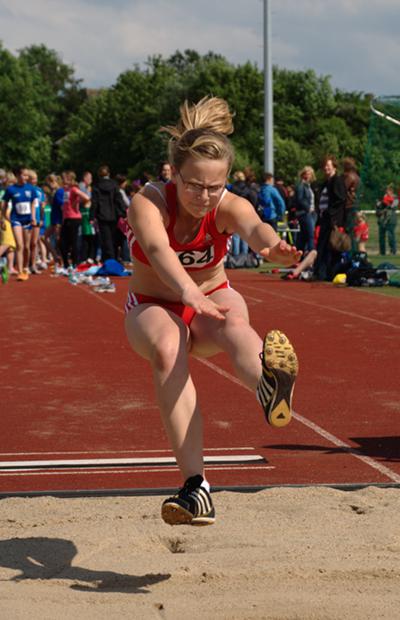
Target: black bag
(366, 276)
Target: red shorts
(186, 313)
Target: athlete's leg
(163, 339)
(235, 336)
(11, 261)
(19, 241)
(272, 377)
(27, 234)
(306, 263)
(34, 247)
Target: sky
(356, 42)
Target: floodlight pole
(268, 93)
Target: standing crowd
(62, 222)
(67, 222)
(319, 218)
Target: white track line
(312, 303)
(148, 460)
(385, 471)
(128, 470)
(92, 452)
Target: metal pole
(268, 93)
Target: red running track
(78, 411)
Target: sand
(282, 553)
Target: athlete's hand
(282, 253)
(202, 304)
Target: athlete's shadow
(50, 558)
(383, 448)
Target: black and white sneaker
(192, 505)
(279, 370)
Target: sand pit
(282, 553)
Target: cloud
(354, 41)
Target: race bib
(23, 208)
(196, 259)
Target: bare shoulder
(231, 210)
(151, 202)
(155, 191)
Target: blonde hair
(68, 176)
(32, 174)
(239, 175)
(201, 132)
(306, 169)
(10, 178)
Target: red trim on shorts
(186, 313)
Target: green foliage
(38, 94)
(56, 125)
(382, 154)
(24, 125)
(289, 158)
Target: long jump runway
(78, 412)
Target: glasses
(197, 189)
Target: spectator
(351, 182)
(7, 239)
(271, 203)
(361, 231)
(240, 188)
(252, 184)
(108, 207)
(35, 235)
(88, 232)
(22, 196)
(55, 197)
(305, 208)
(304, 269)
(164, 172)
(331, 214)
(387, 220)
(282, 189)
(72, 218)
(291, 210)
(121, 242)
(122, 186)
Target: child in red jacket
(361, 231)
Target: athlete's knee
(236, 321)
(168, 352)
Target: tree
(24, 125)
(61, 91)
(120, 125)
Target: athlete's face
(200, 183)
(23, 177)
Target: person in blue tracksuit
(35, 236)
(270, 203)
(23, 198)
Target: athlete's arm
(239, 216)
(84, 197)
(147, 223)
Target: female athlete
(180, 301)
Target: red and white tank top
(207, 249)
